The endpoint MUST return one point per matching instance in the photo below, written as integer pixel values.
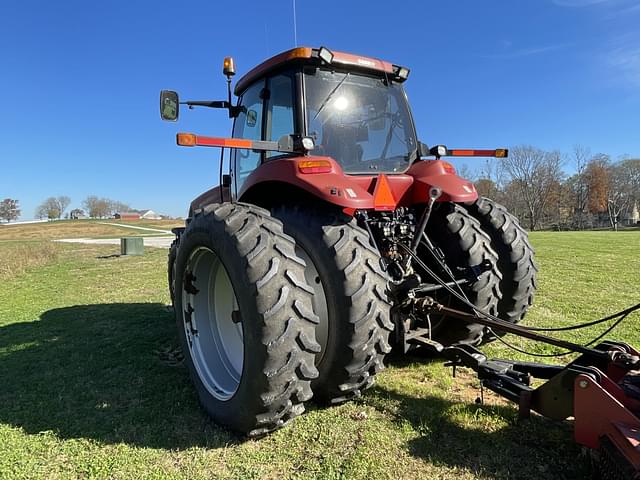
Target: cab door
(248, 124)
(267, 113)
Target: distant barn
(127, 216)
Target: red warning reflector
(382, 195)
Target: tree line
(533, 184)
(54, 208)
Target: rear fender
(436, 173)
(333, 187)
(215, 195)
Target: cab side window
(248, 124)
(280, 120)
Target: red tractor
(334, 234)
(291, 276)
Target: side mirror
(169, 105)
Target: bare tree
(96, 207)
(617, 195)
(578, 184)
(49, 209)
(491, 182)
(492, 170)
(9, 209)
(623, 189)
(534, 175)
(103, 207)
(630, 169)
(63, 203)
(53, 207)
(467, 173)
(513, 200)
(118, 207)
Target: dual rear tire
(468, 235)
(245, 318)
(244, 294)
(462, 243)
(515, 257)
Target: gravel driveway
(158, 242)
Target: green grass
(18, 257)
(87, 391)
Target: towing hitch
(600, 389)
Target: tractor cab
(354, 109)
(326, 124)
(349, 108)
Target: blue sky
(80, 81)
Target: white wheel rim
(215, 341)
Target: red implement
(606, 412)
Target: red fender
(360, 192)
(438, 173)
(215, 195)
(333, 186)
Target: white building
(149, 215)
(633, 216)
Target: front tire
(350, 300)
(244, 318)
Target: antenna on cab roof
(295, 31)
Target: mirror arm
(234, 110)
(206, 103)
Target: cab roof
(310, 55)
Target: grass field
(82, 229)
(89, 387)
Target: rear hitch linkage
(600, 389)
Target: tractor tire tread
(364, 308)
(473, 246)
(267, 257)
(515, 258)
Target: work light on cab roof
(228, 67)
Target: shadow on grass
(105, 372)
(488, 440)
(100, 372)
